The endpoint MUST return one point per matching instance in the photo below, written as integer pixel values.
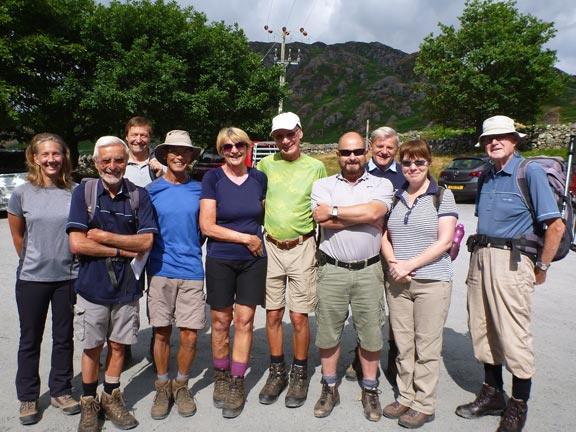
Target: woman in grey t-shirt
(37, 214)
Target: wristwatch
(334, 212)
(542, 266)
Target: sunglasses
(178, 150)
(417, 162)
(240, 145)
(488, 139)
(281, 136)
(346, 153)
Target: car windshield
(466, 163)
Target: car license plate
(455, 187)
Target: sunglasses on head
(240, 145)
(417, 162)
(357, 152)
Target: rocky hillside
(339, 87)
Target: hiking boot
(298, 388)
(490, 401)
(234, 402)
(184, 401)
(29, 412)
(162, 400)
(371, 403)
(66, 403)
(275, 384)
(89, 408)
(115, 410)
(394, 410)
(329, 398)
(221, 382)
(514, 417)
(354, 371)
(413, 419)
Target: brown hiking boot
(184, 401)
(66, 403)
(490, 401)
(514, 417)
(298, 388)
(394, 410)
(221, 383)
(162, 401)
(115, 410)
(234, 402)
(275, 384)
(329, 398)
(29, 412)
(413, 419)
(371, 403)
(89, 408)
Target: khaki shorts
(291, 277)
(95, 323)
(178, 301)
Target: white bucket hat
(499, 125)
(178, 138)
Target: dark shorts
(235, 281)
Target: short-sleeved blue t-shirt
(238, 207)
(500, 208)
(177, 250)
(112, 215)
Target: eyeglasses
(488, 139)
(417, 162)
(357, 152)
(240, 145)
(280, 136)
(179, 150)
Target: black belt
(354, 265)
(516, 246)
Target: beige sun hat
(498, 125)
(178, 138)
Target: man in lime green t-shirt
(291, 247)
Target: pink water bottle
(458, 236)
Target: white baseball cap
(287, 121)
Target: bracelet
(118, 252)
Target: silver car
(13, 172)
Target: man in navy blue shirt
(501, 280)
(107, 308)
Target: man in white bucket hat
(502, 276)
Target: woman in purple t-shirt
(231, 212)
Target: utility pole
(283, 60)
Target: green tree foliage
(495, 63)
(141, 57)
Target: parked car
(13, 171)
(461, 175)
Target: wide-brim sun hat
(499, 125)
(286, 121)
(175, 138)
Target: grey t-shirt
(46, 255)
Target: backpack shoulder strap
(438, 197)
(522, 182)
(90, 191)
(134, 194)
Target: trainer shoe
(275, 384)
(221, 383)
(162, 400)
(234, 402)
(182, 398)
(115, 410)
(66, 403)
(29, 412)
(329, 398)
(371, 404)
(298, 388)
(89, 408)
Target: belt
(354, 265)
(289, 244)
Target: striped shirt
(414, 229)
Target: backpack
(556, 171)
(90, 191)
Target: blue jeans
(33, 300)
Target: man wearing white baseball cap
(292, 266)
(502, 275)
